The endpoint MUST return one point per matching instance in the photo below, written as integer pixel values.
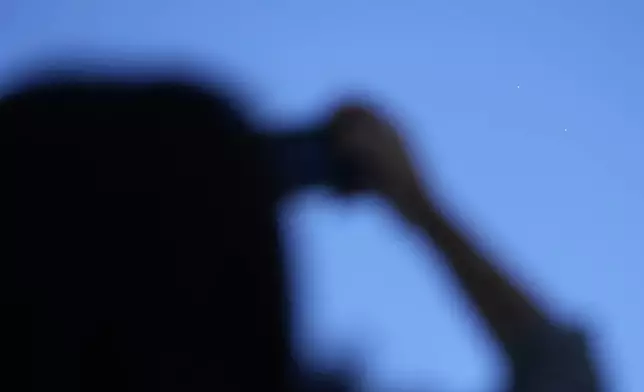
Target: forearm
(543, 355)
(509, 312)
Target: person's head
(145, 237)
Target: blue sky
(523, 115)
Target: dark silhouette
(146, 255)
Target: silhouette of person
(146, 255)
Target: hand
(372, 143)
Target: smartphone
(309, 157)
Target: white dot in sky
(518, 86)
(565, 129)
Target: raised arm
(507, 310)
(545, 357)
